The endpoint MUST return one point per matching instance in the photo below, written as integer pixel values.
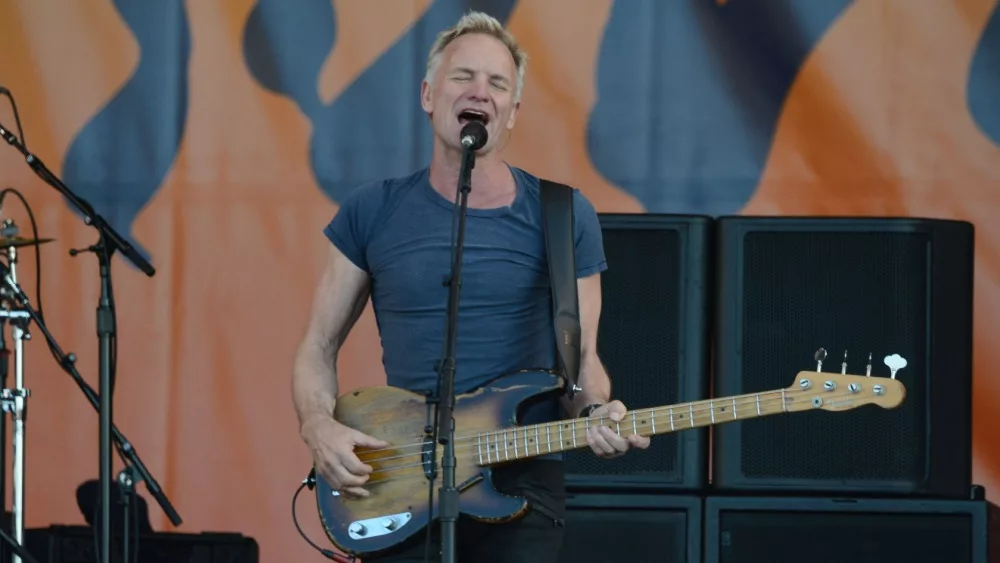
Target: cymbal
(17, 242)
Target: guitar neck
(523, 442)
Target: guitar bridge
(379, 526)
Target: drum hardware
(14, 400)
(109, 242)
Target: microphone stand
(137, 470)
(109, 241)
(448, 495)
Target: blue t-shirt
(399, 231)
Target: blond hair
(478, 22)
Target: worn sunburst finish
(398, 483)
(487, 434)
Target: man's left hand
(605, 441)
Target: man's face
(475, 79)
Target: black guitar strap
(560, 250)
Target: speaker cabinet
(78, 544)
(789, 286)
(632, 527)
(653, 338)
(864, 530)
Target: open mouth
(465, 116)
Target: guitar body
(397, 507)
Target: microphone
(474, 135)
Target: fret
(634, 430)
(652, 419)
(691, 413)
(758, 404)
(506, 454)
(526, 450)
(515, 443)
(479, 441)
(574, 433)
(711, 412)
(734, 408)
(784, 406)
(538, 447)
(671, 419)
(560, 438)
(548, 437)
(618, 428)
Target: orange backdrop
(220, 135)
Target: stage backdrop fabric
(220, 137)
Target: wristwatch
(587, 410)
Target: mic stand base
(20, 553)
(126, 486)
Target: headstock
(816, 390)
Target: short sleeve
(589, 242)
(352, 226)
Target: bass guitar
(487, 434)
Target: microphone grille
(474, 135)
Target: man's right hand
(332, 445)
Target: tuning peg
(843, 365)
(895, 363)
(819, 356)
(868, 368)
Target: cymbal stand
(15, 402)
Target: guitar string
(473, 459)
(682, 408)
(480, 439)
(519, 432)
(570, 436)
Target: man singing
(392, 239)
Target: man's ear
(513, 116)
(425, 96)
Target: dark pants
(536, 537)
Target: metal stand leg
(15, 401)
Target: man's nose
(479, 90)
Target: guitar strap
(560, 250)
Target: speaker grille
(788, 286)
(856, 292)
(652, 340)
(747, 529)
(632, 527)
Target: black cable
(17, 117)
(310, 482)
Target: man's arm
(595, 382)
(339, 299)
(593, 377)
